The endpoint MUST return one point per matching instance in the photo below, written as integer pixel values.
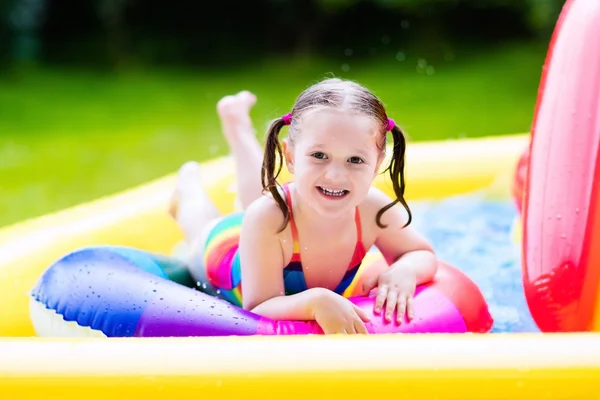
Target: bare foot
(190, 204)
(234, 112)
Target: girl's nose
(334, 172)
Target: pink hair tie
(391, 124)
(287, 118)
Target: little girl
(301, 244)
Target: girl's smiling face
(334, 157)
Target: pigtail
(396, 171)
(268, 173)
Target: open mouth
(335, 193)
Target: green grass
(69, 136)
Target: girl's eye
(319, 155)
(356, 160)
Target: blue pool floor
(472, 233)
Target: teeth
(332, 192)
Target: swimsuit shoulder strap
(359, 249)
(288, 200)
(358, 226)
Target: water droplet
(345, 67)
(404, 24)
(430, 70)
(385, 39)
(563, 236)
(558, 216)
(348, 52)
(577, 210)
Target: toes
(225, 104)
(247, 97)
(240, 102)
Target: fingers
(352, 327)
(360, 327)
(410, 308)
(362, 314)
(405, 307)
(390, 306)
(401, 308)
(381, 296)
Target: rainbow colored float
(124, 292)
(556, 184)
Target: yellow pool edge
(502, 366)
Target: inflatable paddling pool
(123, 220)
(560, 273)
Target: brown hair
(335, 93)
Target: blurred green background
(99, 95)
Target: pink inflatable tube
(557, 180)
(125, 292)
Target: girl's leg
(196, 215)
(191, 206)
(194, 209)
(236, 123)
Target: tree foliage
(114, 31)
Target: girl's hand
(336, 314)
(395, 290)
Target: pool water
(472, 233)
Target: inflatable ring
(561, 212)
(124, 292)
(518, 185)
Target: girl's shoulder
(376, 200)
(264, 214)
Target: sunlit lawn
(71, 136)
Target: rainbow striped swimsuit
(222, 259)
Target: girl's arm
(410, 256)
(403, 247)
(262, 262)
